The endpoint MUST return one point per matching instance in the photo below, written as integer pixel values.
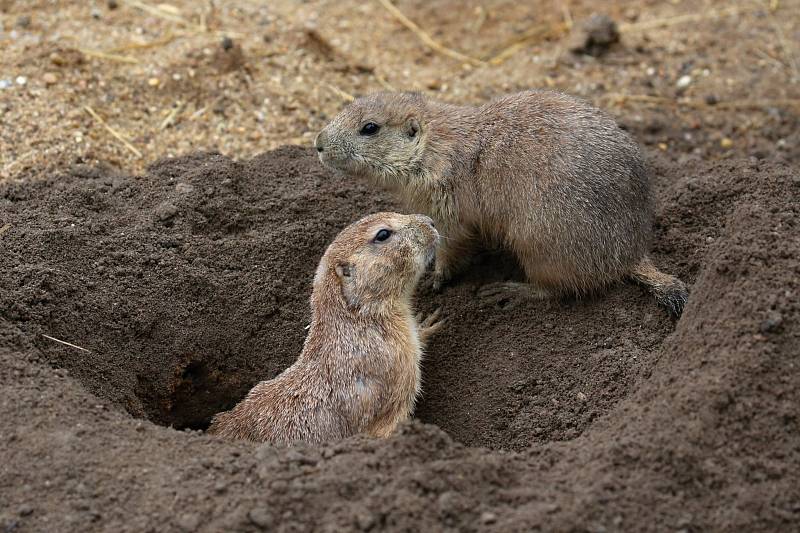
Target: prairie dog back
(548, 176)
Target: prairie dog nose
(320, 141)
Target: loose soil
(182, 287)
(182, 284)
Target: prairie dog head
(376, 261)
(381, 135)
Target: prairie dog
(359, 369)
(541, 173)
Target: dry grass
(114, 133)
(65, 343)
(427, 39)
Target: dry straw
(112, 131)
(65, 343)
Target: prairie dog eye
(370, 128)
(382, 235)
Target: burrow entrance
(505, 372)
(190, 284)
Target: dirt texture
(182, 284)
(182, 287)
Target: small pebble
(772, 323)
(21, 80)
(594, 36)
(488, 518)
(581, 397)
(166, 211)
(49, 78)
(261, 517)
(5, 84)
(712, 99)
(725, 142)
(365, 521)
(153, 82)
(112, 4)
(551, 508)
(663, 147)
(23, 21)
(189, 522)
(278, 486)
(684, 81)
(227, 43)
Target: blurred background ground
(126, 82)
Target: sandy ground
(168, 81)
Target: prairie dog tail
(669, 291)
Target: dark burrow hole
(198, 395)
(198, 390)
(202, 385)
(506, 385)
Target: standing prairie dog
(359, 370)
(541, 173)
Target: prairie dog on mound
(544, 174)
(359, 369)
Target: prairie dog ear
(412, 127)
(344, 269)
(346, 272)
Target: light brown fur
(541, 173)
(359, 369)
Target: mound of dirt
(180, 289)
